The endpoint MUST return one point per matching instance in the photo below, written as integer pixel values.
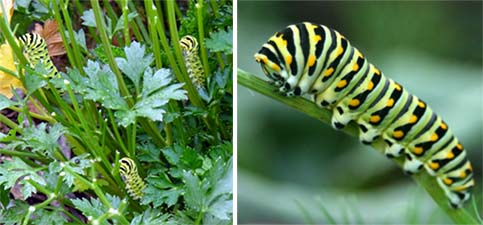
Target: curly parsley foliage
(202, 183)
(94, 208)
(221, 41)
(156, 89)
(15, 170)
(42, 139)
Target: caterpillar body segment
(129, 173)
(189, 47)
(319, 63)
(35, 50)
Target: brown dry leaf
(7, 80)
(50, 32)
(8, 4)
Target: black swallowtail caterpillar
(189, 46)
(319, 63)
(129, 173)
(35, 49)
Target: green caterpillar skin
(129, 173)
(35, 49)
(189, 46)
(319, 63)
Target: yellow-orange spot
(339, 51)
(459, 146)
(370, 86)
(265, 60)
(413, 119)
(284, 43)
(463, 174)
(378, 72)
(354, 102)
(288, 59)
(444, 126)
(311, 60)
(434, 165)
(418, 150)
(460, 188)
(317, 38)
(328, 72)
(390, 102)
(397, 87)
(447, 181)
(398, 134)
(434, 137)
(450, 155)
(342, 84)
(421, 104)
(275, 67)
(355, 67)
(375, 119)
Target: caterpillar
(129, 174)
(317, 62)
(189, 47)
(35, 50)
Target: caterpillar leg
(412, 165)
(458, 194)
(339, 118)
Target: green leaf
(194, 192)
(11, 171)
(94, 207)
(220, 41)
(135, 62)
(160, 191)
(222, 208)
(80, 38)
(48, 217)
(88, 18)
(100, 85)
(150, 217)
(220, 198)
(13, 215)
(5, 102)
(120, 22)
(159, 197)
(149, 153)
(156, 94)
(77, 164)
(173, 153)
(32, 79)
(116, 52)
(38, 139)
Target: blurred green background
(290, 165)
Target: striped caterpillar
(317, 62)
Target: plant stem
(460, 215)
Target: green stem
(78, 57)
(459, 216)
(181, 76)
(107, 48)
(201, 32)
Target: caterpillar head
(188, 43)
(271, 66)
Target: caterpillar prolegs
(317, 62)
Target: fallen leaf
(8, 80)
(50, 32)
(8, 4)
